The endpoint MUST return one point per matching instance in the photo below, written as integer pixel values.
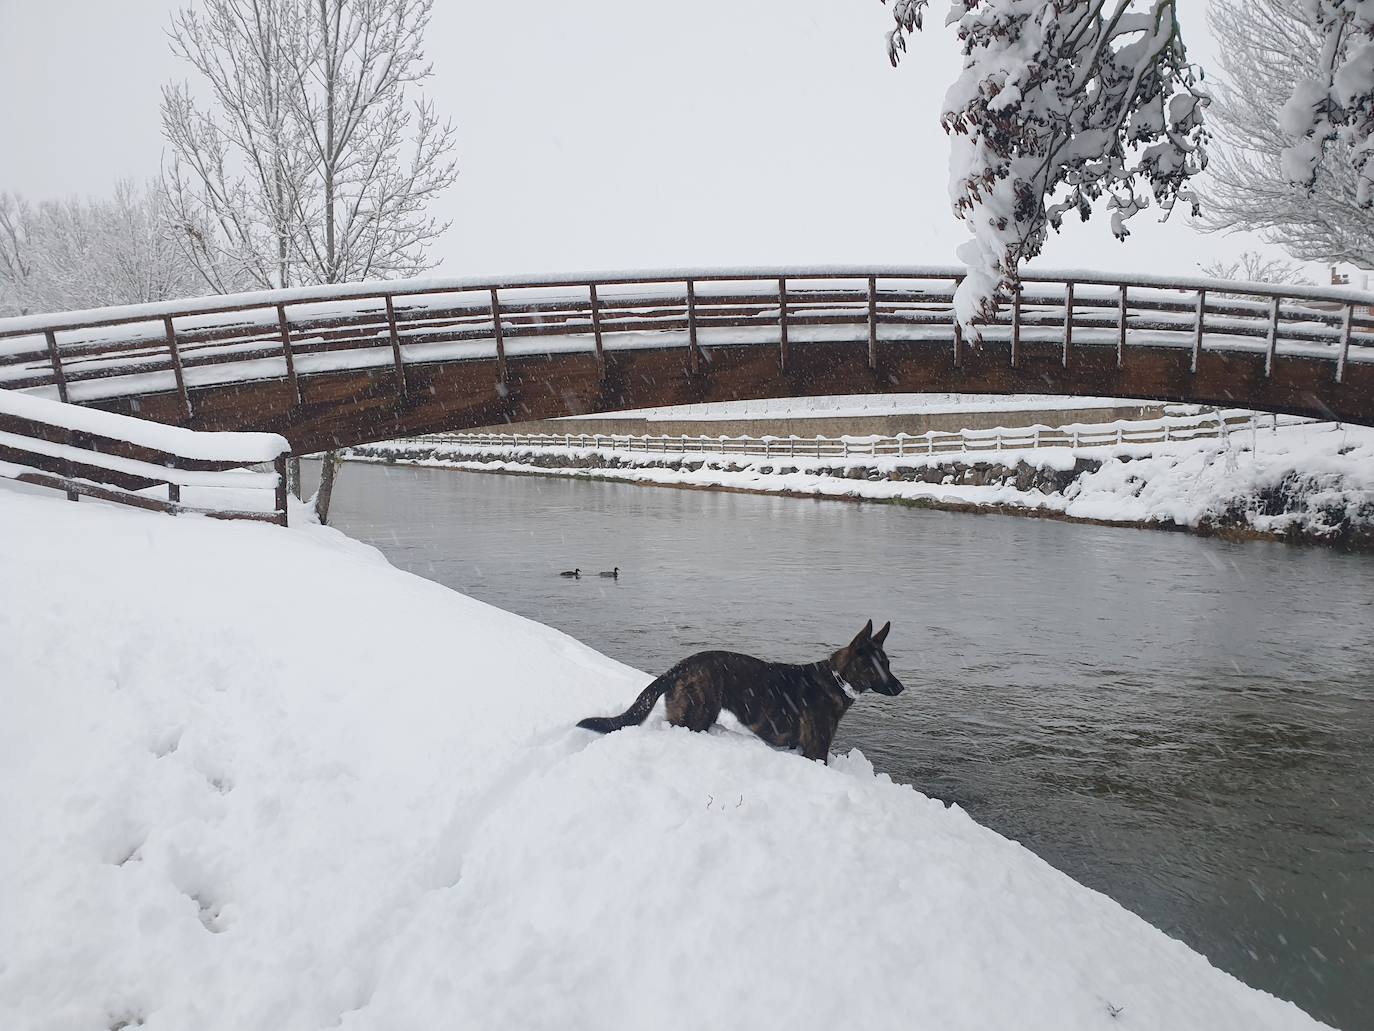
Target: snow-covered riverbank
(256, 777)
(1312, 482)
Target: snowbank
(253, 777)
(1312, 481)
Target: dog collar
(844, 684)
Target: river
(1182, 723)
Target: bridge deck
(361, 362)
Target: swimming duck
(614, 574)
(572, 572)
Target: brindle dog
(789, 706)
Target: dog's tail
(635, 714)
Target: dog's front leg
(815, 738)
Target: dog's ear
(881, 635)
(862, 637)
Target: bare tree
(1254, 267)
(1267, 48)
(313, 165)
(64, 255)
(1060, 103)
(16, 253)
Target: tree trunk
(329, 467)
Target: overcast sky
(607, 134)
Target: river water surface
(1184, 724)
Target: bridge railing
(89, 453)
(290, 334)
(1165, 430)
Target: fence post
(500, 340)
(1074, 444)
(176, 366)
(1273, 337)
(1016, 327)
(694, 358)
(55, 357)
(782, 324)
(1121, 328)
(958, 327)
(873, 323)
(285, 328)
(279, 466)
(1345, 341)
(596, 328)
(1197, 327)
(396, 347)
(1068, 320)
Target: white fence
(1164, 430)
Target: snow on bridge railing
(289, 334)
(116, 458)
(1164, 430)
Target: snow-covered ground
(1313, 480)
(253, 777)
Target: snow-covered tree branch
(1337, 104)
(1060, 103)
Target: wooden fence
(288, 334)
(95, 454)
(1169, 429)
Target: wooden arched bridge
(346, 365)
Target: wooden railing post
(873, 323)
(285, 328)
(1273, 337)
(1345, 341)
(1068, 320)
(55, 357)
(396, 347)
(694, 358)
(500, 340)
(176, 366)
(782, 325)
(1016, 327)
(958, 327)
(1121, 328)
(596, 328)
(279, 465)
(1197, 327)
